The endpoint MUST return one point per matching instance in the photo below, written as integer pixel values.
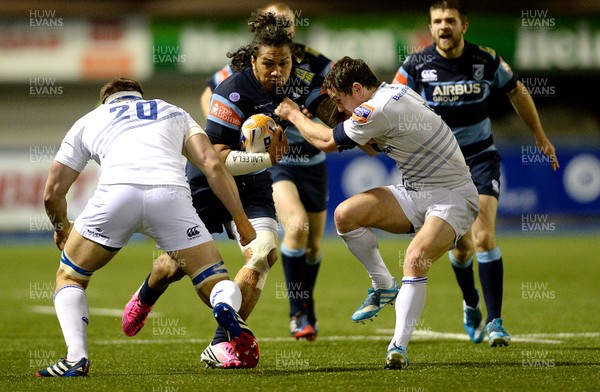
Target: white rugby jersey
(403, 127)
(134, 141)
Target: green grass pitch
(551, 294)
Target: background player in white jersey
(455, 78)
(436, 198)
(142, 188)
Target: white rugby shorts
(164, 213)
(459, 206)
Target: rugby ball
(258, 131)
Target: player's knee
(272, 258)
(343, 217)
(70, 272)
(296, 226)
(259, 265)
(484, 240)
(64, 279)
(416, 262)
(205, 278)
(462, 254)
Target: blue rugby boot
(376, 299)
(66, 368)
(497, 335)
(241, 337)
(473, 321)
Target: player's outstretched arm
(60, 179)
(316, 134)
(201, 154)
(525, 108)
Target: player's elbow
(52, 194)
(213, 167)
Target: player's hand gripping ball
(258, 131)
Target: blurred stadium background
(55, 55)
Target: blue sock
(148, 295)
(311, 269)
(294, 262)
(465, 279)
(491, 277)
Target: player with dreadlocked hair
(265, 77)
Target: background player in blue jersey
(264, 76)
(300, 191)
(455, 78)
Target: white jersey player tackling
(142, 188)
(436, 198)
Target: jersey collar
(123, 95)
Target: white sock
(227, 292)
(409, 305)
(362, 242)
(73, 315)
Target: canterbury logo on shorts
(193, 232)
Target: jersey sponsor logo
(362, 113)
(397, 97)
(478, 71)
(304, 75)
(234, 97)
(429, 75)
(454, 92)
(223, 112)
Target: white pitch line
(271, 339)
(545, 338)
(382, 334)
(418, 335)
(564, 335)
(107, 312)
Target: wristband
(241, 162)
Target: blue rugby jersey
(301, 152)
(459, 90)
(242, 95)
(232, 102)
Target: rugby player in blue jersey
(455, 78)
(300, 191)
(264, 76)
